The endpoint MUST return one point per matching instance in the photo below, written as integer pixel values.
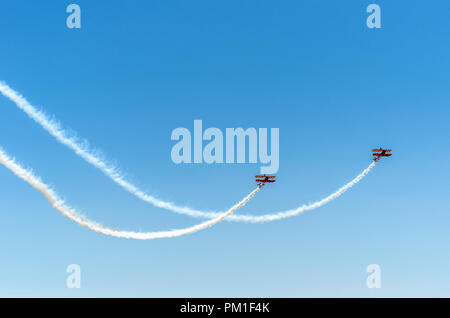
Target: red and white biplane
(378, 153)
(262, 180)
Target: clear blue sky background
(336, 89)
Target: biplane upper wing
(381, 150)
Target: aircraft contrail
(70, 213)
(81, 148)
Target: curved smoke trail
(301, 209)
(81, 148)
(73, 215)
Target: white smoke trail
(301, 209)
(73, 215)
(82, 150)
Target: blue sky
(336, 89)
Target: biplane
(378, 153)
(262, 180)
